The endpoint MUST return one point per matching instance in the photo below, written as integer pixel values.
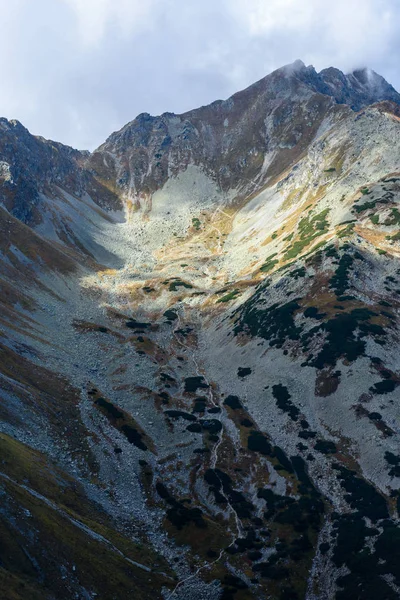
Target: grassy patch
(394, 218)
(309, 228)
(269, 263)
(228, 297)
(394, 238)
(196, 223)
(177, 283)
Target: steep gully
(213, 462)
(112, 299)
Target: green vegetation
(289, 237)
(345, 333)
(300, 272)
(393, 238)
(331, 251)
(361, 495)
(309, 229)
(384, 387)
(394, 219)
(192, 384)
(312, 312)
(179, 514)
(330, 170)
(41, 541)
(228, 297)
(221, 485)
(180, 414)
(346, 231)
(258, 442)
(358, 208)
(367, 206)
(352, 547)
(174, 285)
(133, 324)
(294, 524)
(243, 371)
(365, 191)
(233, 402)
(196, 223)
(269, 264)
(282, 396)
(394, 462)
(340, 280)
(325, 447)
(275, 324)
(315, 252)
(171, 315)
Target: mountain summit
(199, 338)
(272, 121)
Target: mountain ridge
(236, 127)
(297, 67)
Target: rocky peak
(35, 165)
(359, 88)
(34, 168)
(243, 141)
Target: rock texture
(200, 372)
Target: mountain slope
(200, 337)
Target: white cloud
(95, 16)
(349, 31)
(263, 17)
(75, 70)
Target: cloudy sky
(76, 70)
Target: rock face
(244, 140)
(358, 89)
(199, 347)
(33, 167)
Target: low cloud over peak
(75, 70)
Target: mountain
(200, 350)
